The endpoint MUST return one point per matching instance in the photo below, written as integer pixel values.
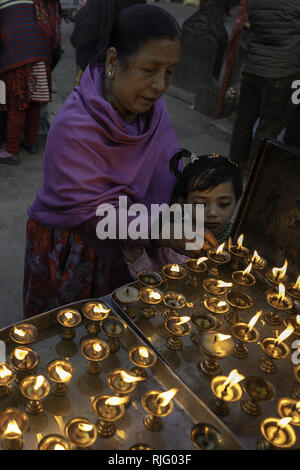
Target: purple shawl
(92, 157)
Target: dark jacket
(274, 41)
(92, 27)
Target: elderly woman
(112, 137)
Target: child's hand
(180, 245)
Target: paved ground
(18, 185)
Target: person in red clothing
(30, 32)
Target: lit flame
(85, 427)
(115, 401)
(175, 268)
(233, 378)
(97, 347)
(298, 319)
(221, 337)
(101, 309)
(201, 260)
(60, 423)
(19, 331)
(240, 241)
(154, 295)
(165, 397)
(296, 286)
(254, 320)
(183, 320)
(282, 423)
(285, 334)
(220, 249)
(256, 258)
(13, 428)
(69, 315)
(59, 447)
(221, 303)
(224, 284)
(39, 437)
(38, 382)
(247, 270)
(279, 273)
(129, 378)
(281, 292)
(4, 371)
(62, 373)
(20, 354)
(143, 352)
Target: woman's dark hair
(205, 172)
(137, 24)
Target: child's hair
(205, 172)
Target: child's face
(219, 204)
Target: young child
(212, 180)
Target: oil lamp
(216, 286)
(215, 346)
(226, 389)
(203, 322)
(81, 432)
(244, 278)
(113, 327)
(173, 302)
(195, 267)
(123, 383)
(289, 407)
(294, 289)
(295, 321)
(24, 333)
(207, 437)
(150, 296)
(274, 349)
(277, 433)
(54, 442)
(7, 377)
(245, 333)
(174, 272)
(95, 312)
(24, 360)
(216, 305)
(258, 390)
(128, 296)
(158, 405)
(95, 350)
(108, 409)
(238, 301)
(34, 388)
(277, 275)
(142, 358)
(217, 257)
(69, 318)
(279, 302)
(238, 252)
(149, 278)
(60, 372)
(258, 263)
(13, 424)
(177, 327)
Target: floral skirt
(61, 269)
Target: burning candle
(257, 261)
(150, 296)
(123, 383)
(177, 326)
(96, 312)
(54, 442)
(69, 319)
(7, 376)
(174, 271)
(81, 432)
(245, 333)
(194, 268)
(238, 251)
(289, 407)
(215, 305)
(108, 409)
(216, 286)
(60, 372)
(24, 360)
(226, 389)
(275, 349)
(216, 344)
(294, 289)
(244, 278)
(23, 334)
(142, 358)
(95, 350)
(278, 433)
(218, 256)
(277, 275)
(158, 405)
(13, 424)
(34, 388)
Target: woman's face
(219, 204)
(133, 88)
